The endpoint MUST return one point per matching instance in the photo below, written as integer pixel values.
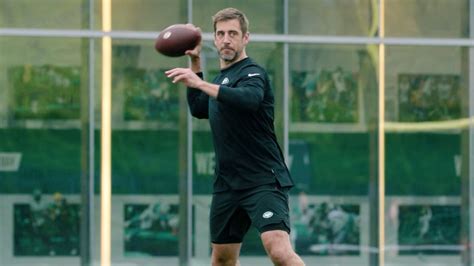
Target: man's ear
(246, 38)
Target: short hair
(229, 14)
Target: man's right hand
(195, 54)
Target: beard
(229, 57)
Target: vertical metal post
(106, 137)
(470, 154)
(381, 137)
(185, 171)
(286, 84)
(467, 139)
(372, 66)
(87, 138)
(91, 188)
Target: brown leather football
(177, 39)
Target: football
(177, 39)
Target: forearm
(208, 88)
(196, 64)
(198, 103)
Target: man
(252, 180)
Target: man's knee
(225, 254)
(279, 255)
(224, 261)
(278, 246)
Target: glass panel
(41, 83)
(427, 18)
(332, 151)
(271, 22)
(147, 15)
(148, 153)
(48, 14)
(336, 17)
(425, 148)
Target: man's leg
(278, 246)
(225, 254)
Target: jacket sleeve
(198, 102)
(247, 94)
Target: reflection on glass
(151, 229)
(147, 15)
(144, 92)
(45, 91)
(322, 228)
(148, 95)
(429, 97)
(333, 102)
(147, 150)
(423, 153)
(429, 229)
(40, 151)
(421, 90)
(333, 95)
(44, 14)
(327, 96)
(46, 227)
(336, 17)
(331, 84)
(204, 161)
(427, 18)
(269, 23)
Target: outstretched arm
(192, 80)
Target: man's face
(229, 40)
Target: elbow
(253, 104)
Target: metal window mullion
(381, 137)
(471, 133)
(470, 154)
(189, 175)
(207, 36)
(286, 86)
(90, 215)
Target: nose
(226, 38)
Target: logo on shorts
(267, 214)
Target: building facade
(102, 164)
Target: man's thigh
(268, 208)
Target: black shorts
(234, 211)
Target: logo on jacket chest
(225, 81)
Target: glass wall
(332, 147)
(376, 125)
(42, 147)
(424, 109)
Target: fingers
(176, 74)
(195, 52)
(192, 26)
(179, 74)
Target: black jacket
(241, 119)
